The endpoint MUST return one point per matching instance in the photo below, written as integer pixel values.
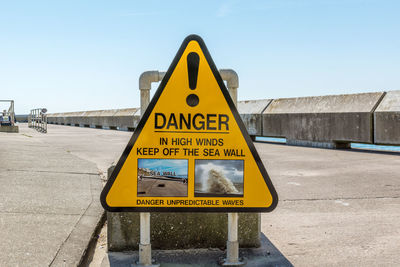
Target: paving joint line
(69, 235)
(78, 221)
(340, 198)
(19, 170)
(41, 213)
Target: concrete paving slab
(341, 232)
(32, 239)
(67, 192)
(49, 196)
(101, 147)
(337, 207)
(313, 173)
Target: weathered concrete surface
(49, 193)
(266, 255)
(337, 207)
(335, 118)
(180, 230)
(322, 121)
(387, 119)
(9, 129)
(251, 113)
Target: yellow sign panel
(190, 151)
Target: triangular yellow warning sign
(190, 151)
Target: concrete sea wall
(126, 119)
(322, 121)
(331, 120)
(251, 113)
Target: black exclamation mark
(193, 61)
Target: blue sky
(85, 55)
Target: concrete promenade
(49, 192)
(337, 207)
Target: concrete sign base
(9, 129)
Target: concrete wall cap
(390, 102)
(252, 106)
(364, 102)
(126, 112)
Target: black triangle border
(144, 119)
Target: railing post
(37, 119)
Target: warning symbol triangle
(190, 151)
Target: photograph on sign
(218, 178)
(162, 177)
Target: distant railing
(37, 119)
(8, 116)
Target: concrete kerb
(84, 233)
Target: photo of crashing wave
(162, 177)
(218, 178)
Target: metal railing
(37, 119)
(9, 114)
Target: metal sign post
(232, 245)
(144, 245)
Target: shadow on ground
(264, 256)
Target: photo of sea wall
(162, 177)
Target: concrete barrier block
(180, 230)
(387, 119)
(322, 119)
(9, 129)
(126, 119)
(251, 113)
(113, 118)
